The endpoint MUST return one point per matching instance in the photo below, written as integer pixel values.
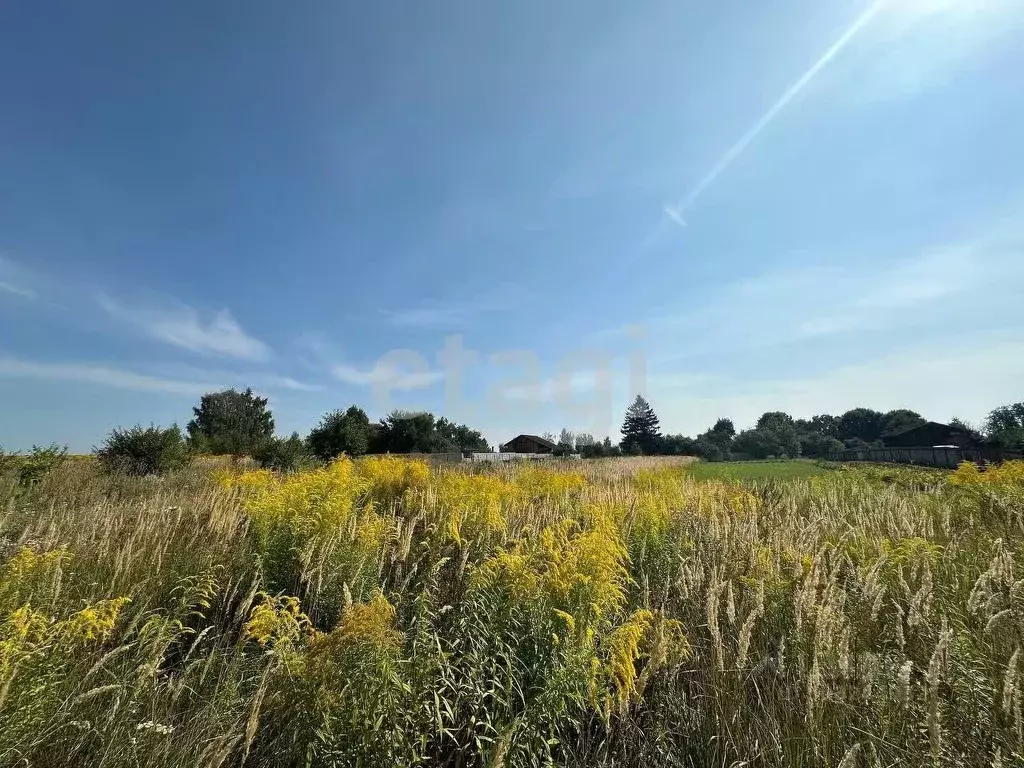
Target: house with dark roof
(527, 444)
(929, 434)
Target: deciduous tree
(1005, 425)
(758, 443)
(340, 432)
(900, 420)
(862, 423)
(233, 422)
(459, 437)
(780, 429)
(817, 444)
(725, 429)
(825, 424)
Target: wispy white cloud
(25, 293)
(389, 372)
(932, 276)
(286, 382)
(399, 370)
(974, 280)
(452, 313)
(385, 374)
(185, 327)
(871, 300)
(101, 375)
(963, 377)
(558, 387)
(257, 379)
(13, 279)
(430, 317)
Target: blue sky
(732, 207)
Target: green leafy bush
(142, 450)
(38, 463)
(284, 454)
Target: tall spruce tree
(641, 432)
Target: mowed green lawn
(755, 470)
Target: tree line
(240, 423)
(778, 434)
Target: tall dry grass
(602, 613)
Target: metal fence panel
(928, 456)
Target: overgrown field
(625, 612)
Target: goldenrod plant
(381, 611)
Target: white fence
(457, 458)
(509, 456)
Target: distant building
(931, 433)
(527, 444)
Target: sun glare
(958, 7)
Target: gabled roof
(930, 433)
(928, 424)
(539, 440)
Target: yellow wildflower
(94, 622)
(388, 478)
(319, 501)
(26, 564)
(277, 621)
(372, 623)
(1007, 473)
(471, 505)
(645, 634)
(26, 624)
(580, 572)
